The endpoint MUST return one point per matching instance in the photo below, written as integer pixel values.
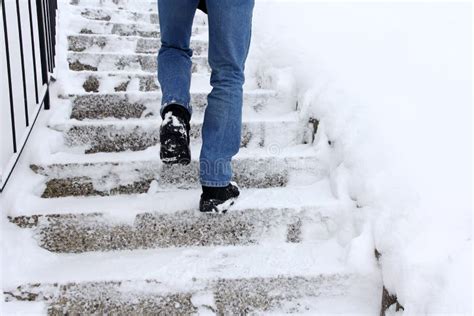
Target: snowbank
(391, 85)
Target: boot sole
(175, 150)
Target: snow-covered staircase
(122, 232)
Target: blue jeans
(230, 23)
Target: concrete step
(116, 174)
(125, 62)
(135, 135)
(147, 105)
(297, 294)
(77, 233)
(125, 44)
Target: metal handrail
(44, 30)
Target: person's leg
(230, 23)
(174, 74)
(174, 58)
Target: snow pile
(391, 85)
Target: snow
(391, 84)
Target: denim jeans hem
(215, 184)
(169, 101)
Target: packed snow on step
(391, 85)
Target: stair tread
(138, 6)
(336, 291)
(80, 9)
(187, 263)
(317, 195)
(154, 120)
(96, 43)
(92, 232)
(130, 177)
(139, 104)
(152, 155)
(79, 25)
(79, 61)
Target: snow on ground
(391, 83)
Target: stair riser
(294, 294)
(78, 233)
(125, 45)
(128, 106)
(134, 62)
(105, 179)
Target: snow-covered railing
(27, 47)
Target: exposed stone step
(125, 62)
(297, 294)
(125, 44)
(143, 105)
(255, 168)
(77, 233)
(79, 25)
(135, 135)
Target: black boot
(174, 135)
(218, 200)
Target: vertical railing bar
(22, 62)
(9, 75)
(33, 51)
(48, 35)
(42, 39)
(53, 31)
(50, 49)
(45, 23)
